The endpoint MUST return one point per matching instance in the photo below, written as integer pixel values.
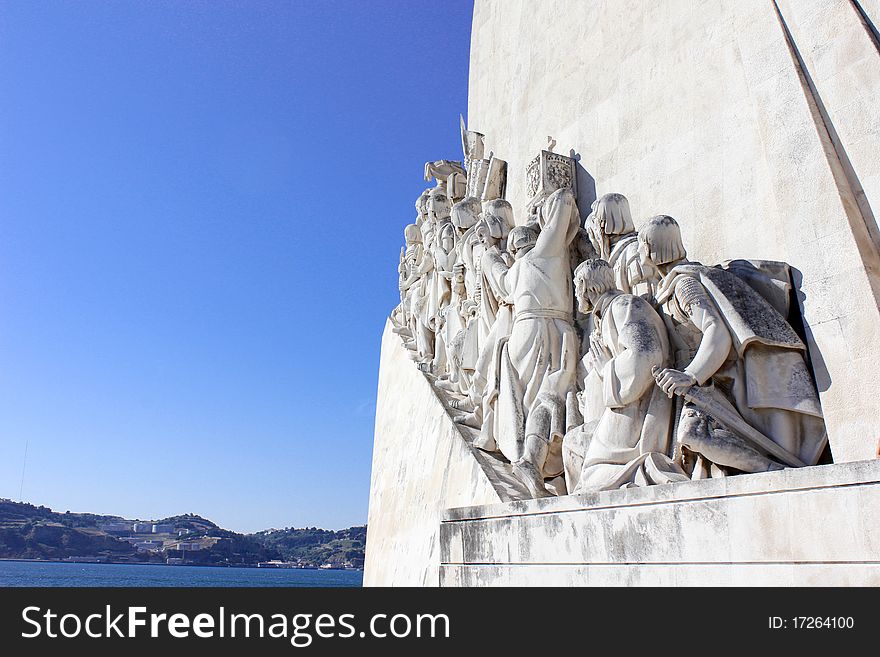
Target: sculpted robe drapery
(495, 317)
(420, 266)
(622, 253)
(765, 374)
(624, 260)
(469, 252)
(541, 353)
(629, 445)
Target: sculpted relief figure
(469, 249)
(422, 208)
(407, 282)
(613, 235)
(437, 239)
(494, 316)
(418, 264)
(444, 264)
(628, 445)
(541, 353)
(403, 313)
(461, 326)
(735, 356)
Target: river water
(29, 573)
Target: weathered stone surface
(804, 526)
(421, 466)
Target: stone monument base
(816, 526)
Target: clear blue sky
(201, 211)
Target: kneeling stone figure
(628, 446)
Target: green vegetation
(37, 532)
(314, 547)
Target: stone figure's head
(592, 279)
(485, 235)
(499, 212)
(610, 216)
(412, 234)
(439, 205)
(466, 212)
(522, 239)
(660, 242)
(422, 206)
(427, 231)
(489, 232)
(456, 185)
(446, 237)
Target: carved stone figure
(437, 291)
(541, 353)
(465, 215)
(439, 206)
(628, 445)
(462, 325)
(444, 265)
(496, 226)
(418, 265)
(422, 208)
(613, 235)
(494, 317)
(735, 350)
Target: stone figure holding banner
(543, 345)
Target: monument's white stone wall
(757, 130)
(817, 526)
(421, 466)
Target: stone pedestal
(817, 526)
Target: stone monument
(605, 394)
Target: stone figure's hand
(599, 352)
(673, 382)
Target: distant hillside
(37, 532)
(312, 546)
